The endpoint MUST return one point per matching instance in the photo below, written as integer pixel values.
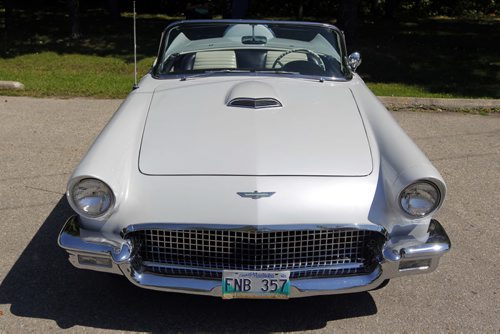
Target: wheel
(316, 56)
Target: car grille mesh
(306, 253)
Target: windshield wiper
(210, 73)
(276, 72)
(185, 76)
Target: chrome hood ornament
(255, 194)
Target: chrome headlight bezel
(432, 208)
(99, 185)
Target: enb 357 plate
(255, 284)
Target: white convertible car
(252, 162)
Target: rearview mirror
(256, 40)
(354, 61)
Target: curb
(421, 102)
(14, 85)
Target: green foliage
(401, 89)
(444, 57)
(438, 57)
(412, 9)
(370, 9)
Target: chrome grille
(306, 253)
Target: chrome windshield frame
(166, 33)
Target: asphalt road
(41, 140)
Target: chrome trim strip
(299, 23)
(284, 227)
(424, 250)
(353, 265)
(416, 268)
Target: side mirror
(354, 61)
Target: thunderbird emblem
(255, 194)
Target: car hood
(317, 130)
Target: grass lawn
(428, 58)
(402, 89)
(65, 75)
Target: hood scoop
(254, 95)
(245, 102)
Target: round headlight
(420, 198)
(92, 197)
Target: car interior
(256, 60)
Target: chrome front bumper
(91, 250)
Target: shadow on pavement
(42, 284)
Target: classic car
(253, 162)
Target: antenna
(135, 51)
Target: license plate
(255, 284)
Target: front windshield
(282, 48)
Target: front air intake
(255, 103)
(206, 252)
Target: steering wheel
(316, 57)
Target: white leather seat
(214, 59)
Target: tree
(74, 17)
(348, 19)
(8, 14)
(114, 9)
(300, 11)
(239, 9)
(390, 8)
